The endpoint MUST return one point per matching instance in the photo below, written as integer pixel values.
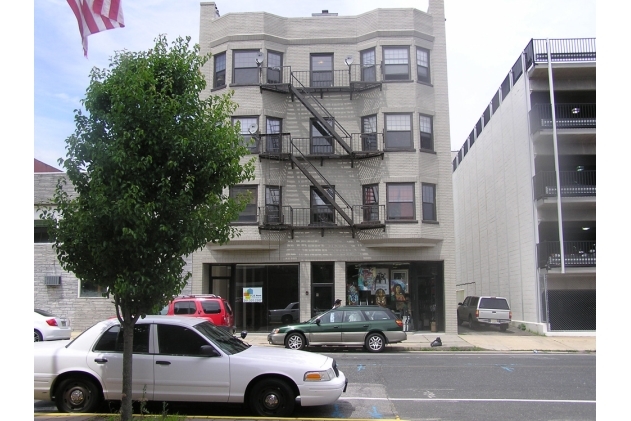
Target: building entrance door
(321, 298)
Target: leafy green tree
(147, 167)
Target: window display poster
(366, 278)
(381, 281)
(352, 294)
(253, 295)
(399, 287)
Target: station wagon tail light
(399, 323)
(51, 322)
(320, 376)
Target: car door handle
(336, 327)
(365, 326)
(163, 362)
(100, 360)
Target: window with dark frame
(219, 80)
(249, 213)
(368, 65)
(274, 67)
(429, 201)
(321, 70)
(321, 139)
(422, 65)
(246, 125)
(426, 129)
(41, 232)
(246, 71)
(273, 205)
(274, 129)
(370, 197)
(369, 133)
(400, 198)
(322, 211)
(398, 131)
(396, 63)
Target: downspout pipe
(556, 157)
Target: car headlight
(319, 376)
(275, 331)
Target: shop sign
(253, 295)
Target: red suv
(209, 306)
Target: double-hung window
(369, 133)
(274, 67)
(429, 202)
(219, 80)
(249, 213)
(246, 71)
(272, 205)
(422, 65)
(322, 211)
(396, 63)
(321, 70)
(321, 138)
(398, 131)
(400, 197)
(368, 68)
(273, 143)
(370, 195)
(247, 130)
(425, 124)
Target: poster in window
(352, 293)
(366, 278)
(381, 281)
(399, 288)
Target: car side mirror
(208, 351)
(244, 333)
(318, 322)
(459, 304)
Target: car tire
(286, 319)
(77, 394)
(38, 336)
(503, 327)
(272, 398)
(472, 324)
(375, 342)
(295, 340)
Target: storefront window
(266, 296)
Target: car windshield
(224, 341)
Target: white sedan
(49, 327)
(182, 359)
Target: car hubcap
(271, 401)
(295, 342)
(76, 397)
(36, 337)
(375, 342)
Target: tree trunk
(128, 338)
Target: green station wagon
(369, 326)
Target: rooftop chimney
(324, 13)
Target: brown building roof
(41, 167)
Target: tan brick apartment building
(518, 235)
(348, 123)
(348, 117)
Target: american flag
(95, 16)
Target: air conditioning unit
(52, 280)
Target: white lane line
(469, 400)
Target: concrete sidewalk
(421, 341)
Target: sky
(484, 39)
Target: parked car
(485, 310)
(209, 306)
(285, 315)
(49, 327)
(371, 327)
(182, 359)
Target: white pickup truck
(485, 310)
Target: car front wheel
(272, 398)
(295, 341)
(77, 394)
(375, 342)
(38, 336)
